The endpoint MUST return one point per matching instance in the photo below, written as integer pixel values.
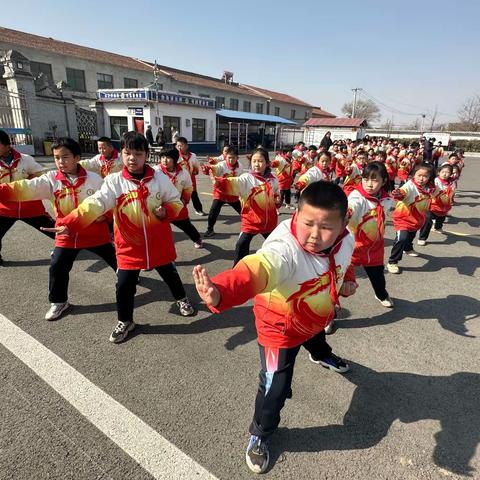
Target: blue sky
(410, 55)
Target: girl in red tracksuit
(410, 213)
(405, 166)
(367, 205)
(284, 171)
(65, 187)
(321, 171)
(143, 201)
(392, 167)
(259, 196)
(353, 173)
(442, 202)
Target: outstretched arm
(206, 289)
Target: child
(410, 212)
(65, 187)
(283, 171)
(321, 171)
(295, 280)
(438, 154)
(183, 183)
(221, 158)
(259, 196)
(392, 167)
(340, 164)
(188, 161)
(143, 201)
(225, 169)
(367, 205)
(405, 167)
(353, 172)
(18, 166)
(106, 162)
(442, 202)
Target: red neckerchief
(268, 186)
(425, 190)
(70, 188)
(172, 175)
(107, 163)
(445, 182)
(142, 190)
(232, 168)
(185, 156)
(332, 270)
(17, 156)
(378, 201)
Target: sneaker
(209, 233)
(257, 454)
(422, 243)
(393, 268)
(437, 230)
(292, 207)
(198, 244)
(200, 213)
(387, 302)
(330, 328)
(56, 310)
(411, 253)
(333, 362)
(120, 332)
(185, 307)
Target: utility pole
(354, 104)
(423, 122)
(155, 76)
(434, 116)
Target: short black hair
(326, 154)
(182, 140)
(172, 153)
(443, 166)
(263, 152)
(4, 138)
(134, 141)
(375, 169)
(313, 147)
(324, 195)
(69, 144)
(106, 140)
(232, 151)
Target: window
(277, 111)
(118, 126)
(130, 83)
(40, 69)
(104, 80)
(219, 102)
(233, 104)
(198, 129)
(204, 95)
(168, 123)
(259, 107)
(247, 106)
(306, 114)
(76, 79)
(292, 114)
(185, 92)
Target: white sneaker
(437, 230)
(330, 328)
(185, 307)
(422, 243)
(198, 244)
(56, 310)
(393, 268)
(411, 253)
(200, 213)
(388, 303)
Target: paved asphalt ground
(408, 409)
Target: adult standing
(326, 142)
(175, 135)
(149, 135)
(160, 138)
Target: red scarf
(107, 163)
(379, 208)
(12, 167)
(142, 190)
(172, 175)
(70, 189)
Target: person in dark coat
(160, 138)
(149, 135)
(326, 142)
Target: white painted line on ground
(153, 452)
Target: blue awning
(257, 117)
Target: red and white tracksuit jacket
(294, 291)
(142, 240)
(225, 170)
(411, 210)
(103, 166)
(258, 196)
(190, 163)
(442, 199)
(353, 178)
(313, 174)
(22, 167)
(367, 224)
(283, 170)
(182, 181)
(404, 168)
(65, 197)
(391, 166)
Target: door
(139, 124)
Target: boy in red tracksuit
(182, 181)
(143, 201)
(259, 196)
(106, 162)
(410, 213)
(321, 171)
(283, 170)
(295, 279)
(405, 166)
(225, 169)
(18, 166)
(442, 202)
(392, 167)
(65, 187)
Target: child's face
(4, 150)
(312, 153)
(105, 149)
(65, 161)
(134, 160)
(444, 173)
(324, 161)
(182, 147)
(224, 151)
(317, 228)
(167, 162)
(259, 164)
(232, 159)
(372, 184)
(361, 159)
(422, 176)
(410, 155)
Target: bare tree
(364, 109)
(469, 113)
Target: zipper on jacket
(146, 239)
